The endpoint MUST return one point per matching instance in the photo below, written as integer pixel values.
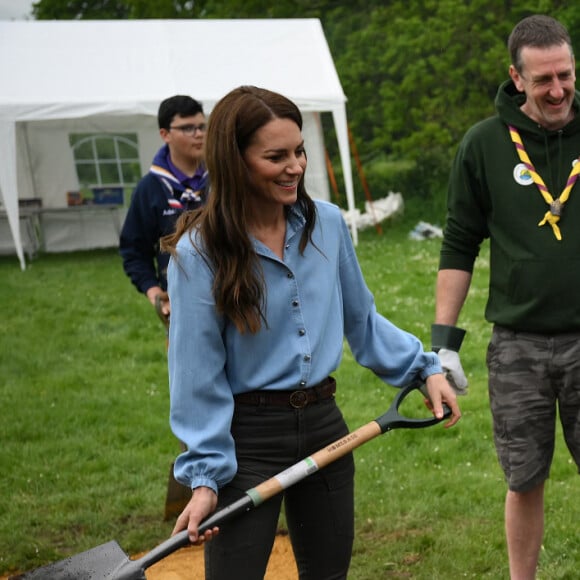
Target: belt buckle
(298, 399)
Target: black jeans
(319, 509)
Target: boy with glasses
(177, 181)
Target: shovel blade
(98, 563)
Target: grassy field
(85, 445)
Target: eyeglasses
(190, 130)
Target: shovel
(110, 562)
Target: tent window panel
(84, 151)
(131, 172)
(87, 174)
(128, 149)
(109, 173)
(104, 159)
(106, 148)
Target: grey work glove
(446, 341)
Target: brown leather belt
(297, 399)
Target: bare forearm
(452, 288)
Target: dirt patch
(187, 564)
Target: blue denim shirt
(313, 301)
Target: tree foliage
(417, 73)
(80, 9)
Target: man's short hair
(181, 105)
(538, 31)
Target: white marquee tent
(63, 77)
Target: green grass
(85, 445)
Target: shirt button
(302, 383)
(307, 357)
(294, 302)
(301, 332)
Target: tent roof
(71, 69)
(59, 69)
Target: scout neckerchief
(552, 216)
(187, 193)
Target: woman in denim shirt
(264, 285)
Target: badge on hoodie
(522, 174)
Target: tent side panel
(85, 228)
(316, 174)
(51, 162)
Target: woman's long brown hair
(222, 224)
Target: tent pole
(363, 179)
(331, 176)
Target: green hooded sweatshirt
(534, 278)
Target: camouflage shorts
(529, 375)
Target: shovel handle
(253, 497)
(392, 419)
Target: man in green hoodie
(513, 181)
